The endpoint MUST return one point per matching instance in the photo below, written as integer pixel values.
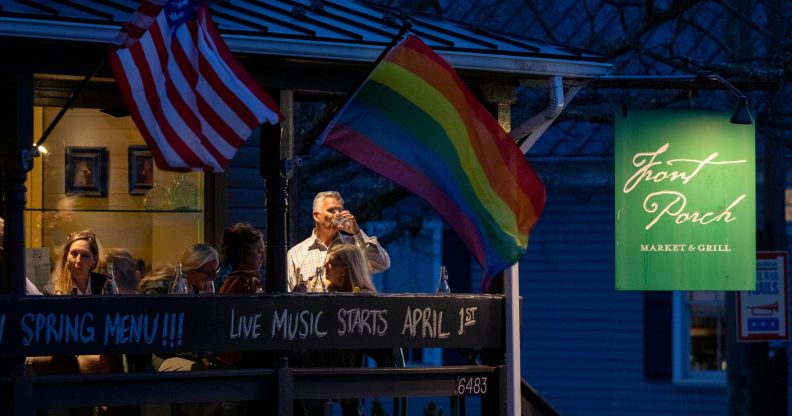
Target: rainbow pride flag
(414, 122)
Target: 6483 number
(471, 385)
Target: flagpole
(406, 26)
(69, 103)
(511, 280)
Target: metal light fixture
(699, 80)
(741, 114)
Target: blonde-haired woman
(346, 270)
(199, 263)
(73, 274)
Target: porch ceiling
(341, 31)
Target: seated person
(74, 275)
(243, 252)
(346, 270)
(124, 270)
(199, 264)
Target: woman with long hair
(73, 274)
(346, 270)
(199, 264)
(243, 255)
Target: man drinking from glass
(332, 224)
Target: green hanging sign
(685, 202)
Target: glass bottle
(179, 286)
(184, 194)
(110, 287)
(320, 279)
(156, 198)
(442, 283)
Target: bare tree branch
(649, 22)
(540, 20)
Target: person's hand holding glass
(346, 222)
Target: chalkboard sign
(42, 325)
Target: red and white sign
(763, 314)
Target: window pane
(57, 206)
(707, 334)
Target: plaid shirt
(306, 260)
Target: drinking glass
(320, 280)
(207, 287)
(340, 222)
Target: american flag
(194, 104)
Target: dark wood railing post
(273, 169)
(285, 392)
(14, 234)
(16, 139)
(276, 206)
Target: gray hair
(321, 196)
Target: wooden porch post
(273, 170)
(275, 149)
(500, 97)
(16, 139)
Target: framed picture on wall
(141, 170)
(86, 171)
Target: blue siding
(246, 186)
(582, 342)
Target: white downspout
(529, 132)
(556, 104)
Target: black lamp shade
(741, 114)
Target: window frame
(681, 374)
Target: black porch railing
(279, 387)
(148, 324)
